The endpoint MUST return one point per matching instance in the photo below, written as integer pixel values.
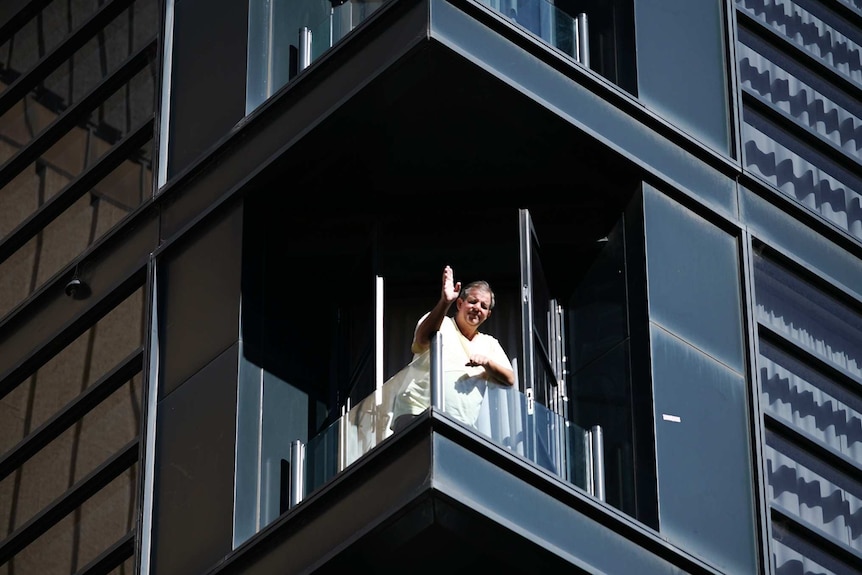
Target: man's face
(475, 308)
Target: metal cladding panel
(194, 467)
(200, 298)
(208, 76)
(566, 530)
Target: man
(470, 358)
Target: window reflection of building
(76, 112)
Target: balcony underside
(433, 500)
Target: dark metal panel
(690, 86)
(703, 455)
(194, 467)
(199, 296)
(571, 527)
(207, 77)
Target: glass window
(810, 318)
(814, 493)
(809, 401)
(821, 34)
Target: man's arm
(497, 369)
(432, 322)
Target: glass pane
(506, 416)
(810, 178)
(598, 35)
(82, 535)
(809, 401)
(74, 78)
(819, 496)
(794, 555)
(778, 81)
(603, 397)
(21, 51)
(66, 460)
(693, 279)
(74, 230)
(73, 370)
(820, 35)
(74, 152)
(810, 318)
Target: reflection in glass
(809, 317)
(85, 532)
(807, 400)
(794, 555)
(800, 172)
(68, 458)
(816, 494)
(818, 34)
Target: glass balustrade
(507, 416)
(561, 30)
(286, 36)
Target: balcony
(509, 418)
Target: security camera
(76, 289)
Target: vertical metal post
(583, 40)
(342, 437)
(304, 60)
(437, 371)
(297, 472)
(588, 462)
(598, 461)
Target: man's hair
(480, 285)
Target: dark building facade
(220, 222)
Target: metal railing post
(304, 59)
(297, 472)
(583, 40)
(437, 371)
(598, 461)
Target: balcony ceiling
(435, 144)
